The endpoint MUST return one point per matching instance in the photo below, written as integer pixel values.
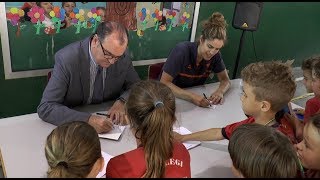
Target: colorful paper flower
(36, 14)
(94, 18)
(77, 17)
(57, 15)
(144, 15)
(170, 15)
(14, 15)
(157, 16)
(184, 20)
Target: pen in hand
(115, 126)
(207, 99)
(102, 114)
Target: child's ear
(201, 39)
(265, 106)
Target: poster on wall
(33, 32)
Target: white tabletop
(197, 118)
(22, 138)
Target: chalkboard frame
(9, 74)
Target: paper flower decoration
(157, 16)
(14, 15)
(144, 15)
(170, 15)
(140, 32)
(184, 20)
(57, 15)
(77, 17)
(94, 18)
(37, 16)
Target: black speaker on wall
(246, 15)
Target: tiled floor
(300, 91)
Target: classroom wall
(286, 31)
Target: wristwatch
(122, 99)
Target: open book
(114, 134)
(106, 158)
(187, 144)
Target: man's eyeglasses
(107, 53)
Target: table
(197, 118)
(22, 138)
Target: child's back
(151, 112)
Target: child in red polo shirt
(313, 104)
(151, 114)
(267, 88)
(309, 148)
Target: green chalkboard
(31, 51)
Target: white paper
(212, 106)
(106, 158)
(114, 134)
(187, 144)
(295, 106)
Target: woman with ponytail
(191, 63)
(151, 114)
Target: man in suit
(90, 71)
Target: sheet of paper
(187, 144)
(294, 106)
(114, 134)
(106, 158)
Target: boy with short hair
(267, 89)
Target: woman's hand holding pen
(200, 101)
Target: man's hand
(100, 124)
(216, 97)
(200, 101)
(117, 112)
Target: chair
(154, 70)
